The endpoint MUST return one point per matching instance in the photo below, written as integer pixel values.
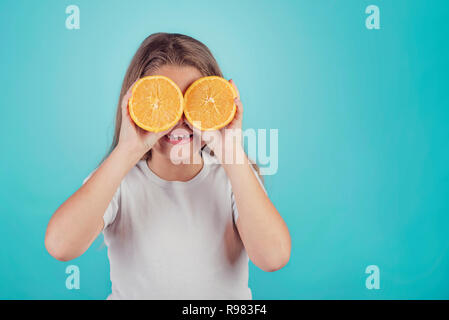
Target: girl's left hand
(229, 137)
(236, 123)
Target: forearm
(261, 228)
(79, 220)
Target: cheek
(162, 147)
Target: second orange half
(209, 103)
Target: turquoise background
(363, 133)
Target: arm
(79, 220)
(262, 230)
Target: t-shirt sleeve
(235, 212)
(113, 207)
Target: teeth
(177, 137)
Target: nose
(182, 121)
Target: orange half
(156, 103)
(209, 103)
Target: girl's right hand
(132, 137)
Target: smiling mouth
(179, 138)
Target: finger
(235, 88)
(160, 134)
(211, 137)
(239, 108)
(126, 97)
(125, 111)
(163, 133)
(125, 100)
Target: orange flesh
(209, 103)
(156, 103)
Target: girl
(173, 231)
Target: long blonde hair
(161, 49)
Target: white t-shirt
(175, 240)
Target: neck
(167, 170)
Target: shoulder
(136, 176)
(137, 173)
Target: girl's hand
(236, 123)
(227, 142)
(132, 137)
